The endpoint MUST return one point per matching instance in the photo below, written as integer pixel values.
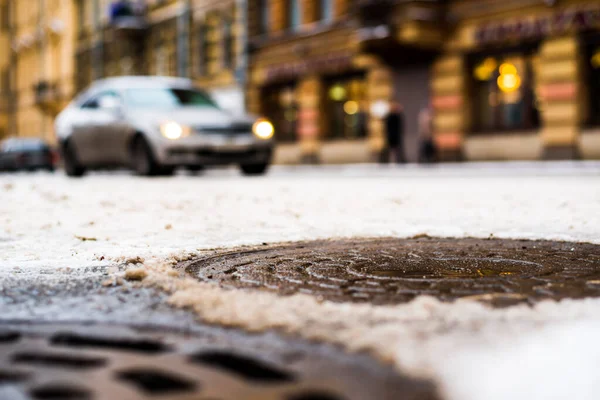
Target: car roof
(128, 82)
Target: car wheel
(72, 166)
(143, 160)
(254, 169)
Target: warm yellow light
(263, 129)
(509, 83)
(508, 69)
(596, 59)
(337, 92)
(172, 130)
(484, 71)
(509, 79)
(350, 107)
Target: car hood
(192, 116)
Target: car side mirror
(110, 103)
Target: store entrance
(411, 87)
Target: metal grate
(231, 130)
(75, 362)
(391, 271)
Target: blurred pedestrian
(427, 150)
(394, 127)
(362, 118)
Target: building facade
(36, 68)
(513, 79)
(520, 79)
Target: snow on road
(49, 221)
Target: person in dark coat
(394, 128)
(427, 150)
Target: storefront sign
(330, 63)
(570, 19)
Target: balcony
(375, 13)
(413, 28)
(47, 96)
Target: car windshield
(167, 98)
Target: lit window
(502, 93)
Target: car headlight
(263, 129)
(173, 130)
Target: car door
(113, 129)
(82, 136)
(91, 131)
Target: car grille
(228, 130)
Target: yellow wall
(43, 42)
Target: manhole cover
(106, 362)
(387, 271)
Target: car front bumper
(215, 150)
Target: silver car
(156, 124)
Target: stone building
(505, 79)
(36, 65)
(511, 79)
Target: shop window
(345, 108)
(502, 93)
(280, 106)
(294, 14)
(593, 84)
(326, 10)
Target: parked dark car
(29, 154)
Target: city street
(256, 261)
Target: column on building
(450, 110)
(309, 96)
(278, 16)
(380, 89)
(559, 85)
